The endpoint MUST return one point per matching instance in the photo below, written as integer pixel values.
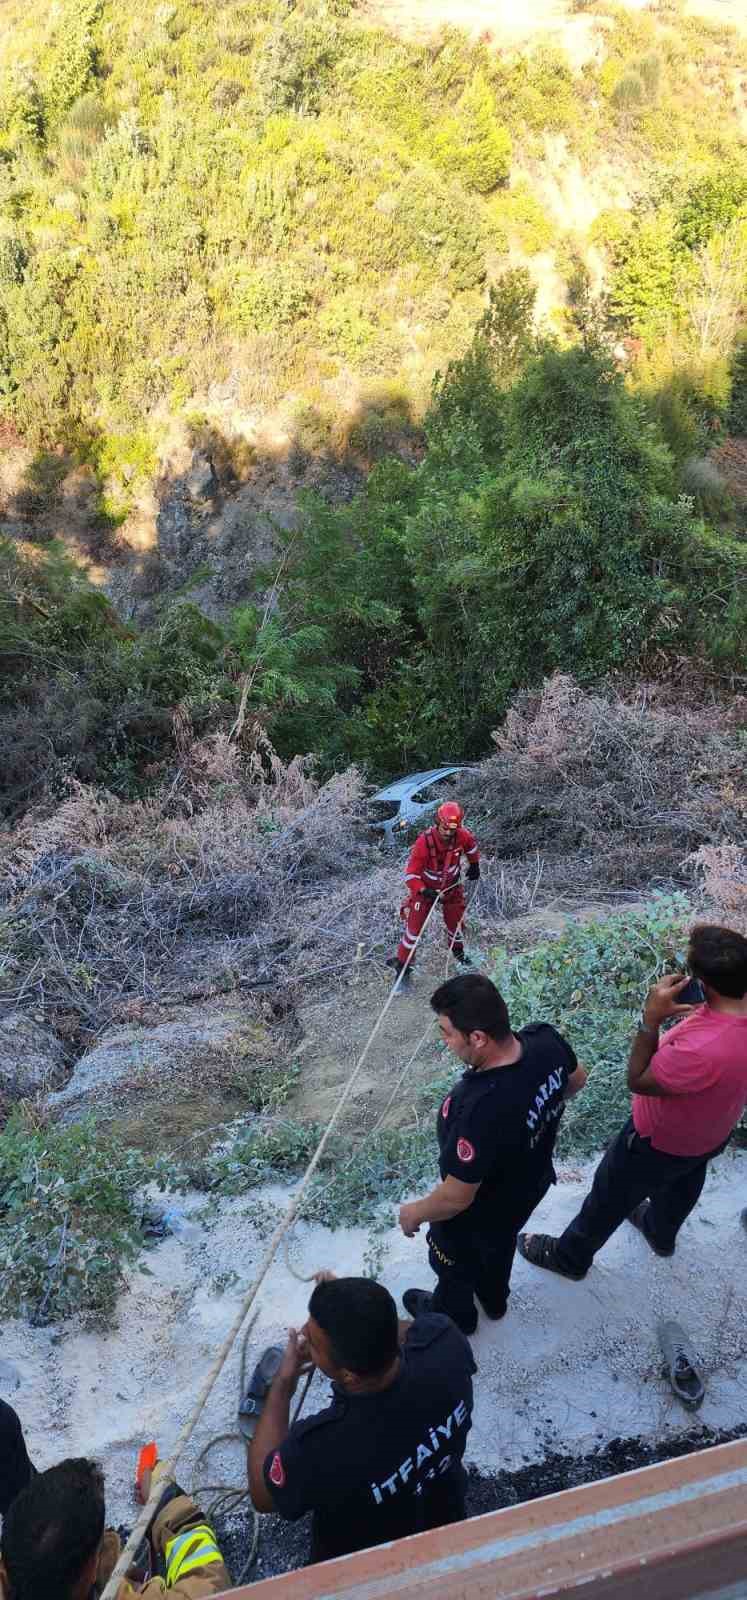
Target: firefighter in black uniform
(496, 1134)
(384, 1459)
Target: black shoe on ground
(638, 1219)
(417, 1301)
(251, 1407)
(406, 971)
(494, 1313)
(463, 959)
(541, 1250)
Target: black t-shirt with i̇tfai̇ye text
(498, 1127)
(374, 1467)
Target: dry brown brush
(723, 877)
(593, 794)
(242, 870)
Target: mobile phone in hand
(693, 994)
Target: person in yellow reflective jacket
(54, 1543)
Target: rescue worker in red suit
(436, 864)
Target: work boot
(399, 966)
(252, 1404)
(463, 959)
(417, 1301)
(492, 1310)
(638, 1219)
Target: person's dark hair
(718, 956)
(52, 1529)
(360, 1320)
(472, 1002)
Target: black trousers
(631, 1171)
(16, 1470)
(478, 1262)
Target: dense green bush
(737, 416)
(270, 297)
(83, 697)
(345, 327)
(590, 983)
(543, 561)
(536, 90)
(294, 65)
(73, 58)
(541, 532)
(442, 228)
(22, 111)
(710, 205)
(472, 145)
(666, 284)
(70, 1209)
(13, 259)
(644, 291)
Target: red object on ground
(145, 1463)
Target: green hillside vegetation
(191, 191)
(543, 530)
(284, 199)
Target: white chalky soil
(571, 1366)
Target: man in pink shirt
(689, 1092)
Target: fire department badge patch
(277, 1471)
(465, 1150)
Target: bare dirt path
(336, 1030)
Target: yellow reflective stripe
(196, 1547)
(204, 1558)
(198, 1551)
(173, 1546)
(176, 1546)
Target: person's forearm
(437, 1207)
(272, 1427)
(645, 1045)
(576, 1082)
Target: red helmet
(450, 814)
